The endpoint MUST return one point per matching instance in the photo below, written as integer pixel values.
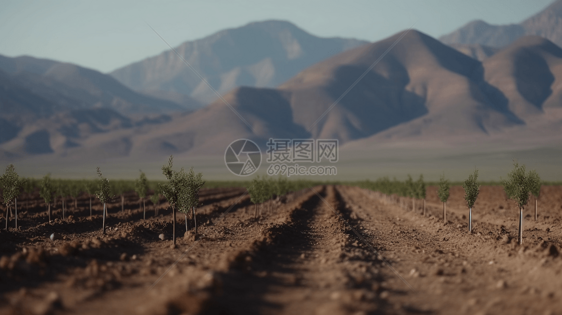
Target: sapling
(189, 199)
(420, 191)
(74, 192)
(518, 187)
(11, 185)
(471, 190)
(155, 198)
(257, 192)
(443, 193)
(174, 190)
(411, 191)
(89, 187)
(104, 194)
(535, 190)
(47, 190)
(141, 188)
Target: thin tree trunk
(194, 221)
(49, 205)
(444, 212)
(7, 216)
(424, 207)
(536, 209)
(104, 214)
(174, 224)
(143, 210)
(470, 220)
(122, 203)
(16, 210)
(520, 226)
(185, 218)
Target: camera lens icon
(242, 157)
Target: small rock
(134, 257)
(124, 257)
(501, 284)
(162, 236)
(54, 237)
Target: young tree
(443, 194)
(104, 194)
(155, 198)
(189, 199)
(411, 191)
(47, 190)
(11, 185)
(74, 192)
(535, 182)
(257, 192)
(141, 188)
(28, 187)
(420, 191)
(471, 190)
(89, 187)
(518, 187)
(174, 189)
(119, 189)
(62, 191)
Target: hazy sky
(105, 35)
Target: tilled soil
(324, 250)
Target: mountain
(48, 106)
(476, 51)
(259, 54)
(421, 83)
(413, 89)
(547, 24)
(73, 87)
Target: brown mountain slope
(419, 77)
(529, 73)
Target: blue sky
(105, 35)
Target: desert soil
(323, 250)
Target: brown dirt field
(324, 250)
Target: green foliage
(256, 190)
(535, 183)
(420, 188)
(104, 190)
(47, 190)
(141, 185)
(11, 184)
(155, 198)
(189, 197)
(471, 189)
(443, 191)
(89, 186)
(182, 189)
(410, 187)
(520, 184)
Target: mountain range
(547, 24)
(259, 54)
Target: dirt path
(452, 272)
